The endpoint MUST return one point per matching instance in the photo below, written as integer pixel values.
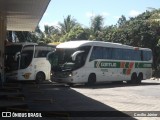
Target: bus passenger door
(26, 70)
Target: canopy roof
(22, 15)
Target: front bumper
(62, 80)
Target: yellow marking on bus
(26, 75)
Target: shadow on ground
(58, 101)
(113, 85)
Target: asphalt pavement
(101, 101)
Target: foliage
(96, 29)
(76, 33)
(122, 21)
(67, 25)
(141, 31)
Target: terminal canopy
(22, 15)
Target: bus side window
(116, 54)
(97, 53)
(142, 56)
(147, 55)
(93, 54)
(42, 53)
(138, 55)
(107, 53)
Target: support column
(2, 46)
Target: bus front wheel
(91, 79)
(40, 77)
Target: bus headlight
(72, 74)
(51, 74)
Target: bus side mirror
(16, 56)
(50, 53)
(74, 55)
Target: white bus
(27, 61)
(95, 61)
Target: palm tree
(97, 23)
(121, 21)
(96, 27)
(68, 24)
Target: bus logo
(105, 64)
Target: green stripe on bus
(124, 71)
(127, 65)
(106, 64)
(110, 64)
(143, 65)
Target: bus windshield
(62, 59)
(26, 56)
(10, 53)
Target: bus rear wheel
(91, 79)
(134, 79)
(40, 77)
(140, 78)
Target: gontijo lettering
(105, 64)
(108, 64)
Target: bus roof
(23, 43)
(75, 44)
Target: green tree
(76, 33)
(141, 31)
(67, 24)
(52, 34)
(97, 27)
(121, 21)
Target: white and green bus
(95, 61)
(27, 61)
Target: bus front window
(64, 59)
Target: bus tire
(117, 82)
(91, 79)
(140, 78)
(134, 79)
(40, 77)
